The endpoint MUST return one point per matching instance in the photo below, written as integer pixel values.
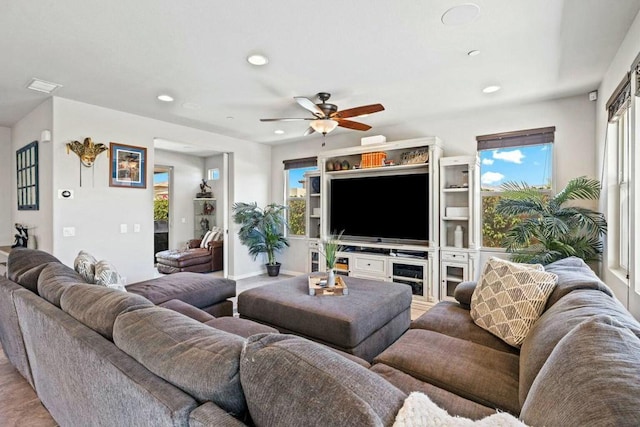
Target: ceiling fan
(326, 117)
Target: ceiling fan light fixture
(324, 126)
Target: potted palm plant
(330, 248)
(262, 231)
(552, 227)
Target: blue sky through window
(297, 175)
(160, 177)
(530, 164)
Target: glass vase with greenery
(553, 227)
(261, 229)
(330, 248)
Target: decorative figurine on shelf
(204, 225)
(207, 208)
(203, 193)
(22, 237)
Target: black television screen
(381, 208)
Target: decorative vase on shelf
(331, 278)
(457, 237)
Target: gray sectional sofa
(98, 356)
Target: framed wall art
(128, 166)
(27, 177)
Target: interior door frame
(169, 170)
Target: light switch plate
(68, 231)
(123, 228)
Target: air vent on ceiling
(43, 86)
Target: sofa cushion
(450, 318)
(590, 378)
(509, 298)
(451, 402)
(85, 265)
(419, 410)
(54, 279)
(557, 321)
(199, 359)
(98, 306)
(475, 372)
(573, 274)
(188, 310)
(107, 275)
(291, 381)
(24, 266)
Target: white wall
(6, 154)
(98, 210)
(574, 152)
(185, 183)
(620, 65)
(27, 130)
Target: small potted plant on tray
(330, 247)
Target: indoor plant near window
(262, 231)
(330, 247)
(551, 227)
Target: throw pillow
(208, 239)
(418, 410)
(509, 298)
(107, 275)
(203, 242)
(84, 265)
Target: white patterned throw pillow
(509, 298)
(107, 275)
(205, 239)
(84, 265)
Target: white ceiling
(121, 54)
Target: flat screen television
(388, 208)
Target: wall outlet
(123, 228)
(593, 96)
(136, 228)
(68, 231)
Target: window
(521, 156)
(295, 193)
(620, 139)
(213, 174)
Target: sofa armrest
(187, 309)
(194, 243)
(463, 293)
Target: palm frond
(581, 188)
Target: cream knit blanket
(419, 411)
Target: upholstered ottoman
(363, 323)
(202, 291)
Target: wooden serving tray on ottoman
(315, 289)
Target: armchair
(194, 259)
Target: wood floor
(19, 404)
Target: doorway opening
(161, 208)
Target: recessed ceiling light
(165, 98)
(257, 59)
(491, 89)
(278, 131)
(461, 15)
(42, 86)
(473, 53)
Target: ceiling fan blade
(286, 119)
(353, 125)
(309, 131)
(308, 104)
(358, 111)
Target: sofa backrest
(24, 266)
(590, 378)
(54, 279)
(554, 324)
(201, 360)
(98, 306)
